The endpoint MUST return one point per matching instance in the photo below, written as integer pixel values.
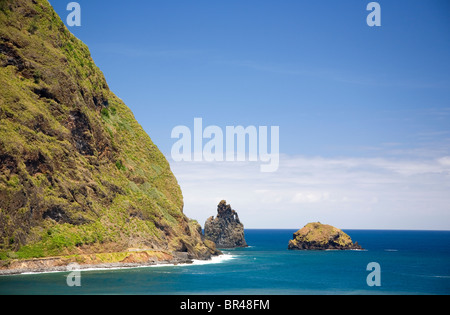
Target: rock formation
(78, 174)
(317, 236)
(226, 230)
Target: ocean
(410, 262)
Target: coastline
(101, 261)
(265, 268)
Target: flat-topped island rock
(317, 236)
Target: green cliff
(78, 174)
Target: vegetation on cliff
(78, 174)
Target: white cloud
(445, 161)
(310, 197)
(346, 192)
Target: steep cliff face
(317, 236)
(78, 174)
(226, 230)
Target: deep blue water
(412, 262)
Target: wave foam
(213, 260)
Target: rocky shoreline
(94, 261)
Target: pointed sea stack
(317, 236)
(226, 230)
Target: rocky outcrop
(226, 230)
(317, 236)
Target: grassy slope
(77, 172)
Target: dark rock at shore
(317, 236)
(226, 230)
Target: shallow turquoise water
(412, 262)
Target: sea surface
(411, 262)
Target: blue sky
(367, 99)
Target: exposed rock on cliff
(226, 230)
(319, 236)
(78, 174)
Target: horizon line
(361, 229)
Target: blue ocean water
(411, 262)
